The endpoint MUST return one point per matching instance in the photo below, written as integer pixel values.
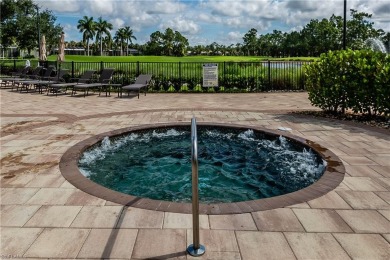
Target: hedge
(350, 80)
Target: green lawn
(82, 58)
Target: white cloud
(165, 7)
(210, 20)
(235, 36)
(182, 25)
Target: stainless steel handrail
(195, 249)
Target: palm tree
(120, 37)
(87, 27)
(102, 27)
(107, 42)
(128, 33)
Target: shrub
(356, 80)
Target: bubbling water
(234, 165)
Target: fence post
(137, 68)
(224, 74)
(101, 65)
(14, 65)
(180, 75)
(72, 69)
(269, 75)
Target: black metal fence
(188, 76)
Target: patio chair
(142, 82)
(35, 73)
(104, 80)
(85, 78)
(59, 78)
(35, 79)
(7, 81)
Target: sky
(207, 21)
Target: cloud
(210, 20)
(165, 7)
(182, 25)
(235, 36)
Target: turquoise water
(234, 165)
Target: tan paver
(160, 244)
(277, 220)
(363, 184)
(15, 241)
(47, 181)
(58, 243)
(177, 220)
(16, 195)
(383, 170)
(232, 222)
(97, 217)
(357, 160)
(364, 246)
(383, 160)
(385, 195)
(362, 171)
(331, 200)
(139, 218)
(321, 220)
(17, 181)
(385, 213)
(385, 182)
(387, 237)
(109, 243)
(365, 221)
(267, 245)
(16, 215)
(80, 198)
(51, 196)
(216, 240)
(210, 255)
(54, 216)
(315, 246)
(363, 200)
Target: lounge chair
(142, 82)
(7, 81)
(35, 73)
(104, 80)
(85, 78)
(36, 79)
(59, 78)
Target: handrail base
(196, 252)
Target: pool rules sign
(210, 75)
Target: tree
(120, 37)
(168, 38)
(87, 27)
(168, 43)
(102, 27)
(155, 45)
(250, 41)
(128, 35)
(180, 44)
(19, 25)
(359, 29)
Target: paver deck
(44, 216)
